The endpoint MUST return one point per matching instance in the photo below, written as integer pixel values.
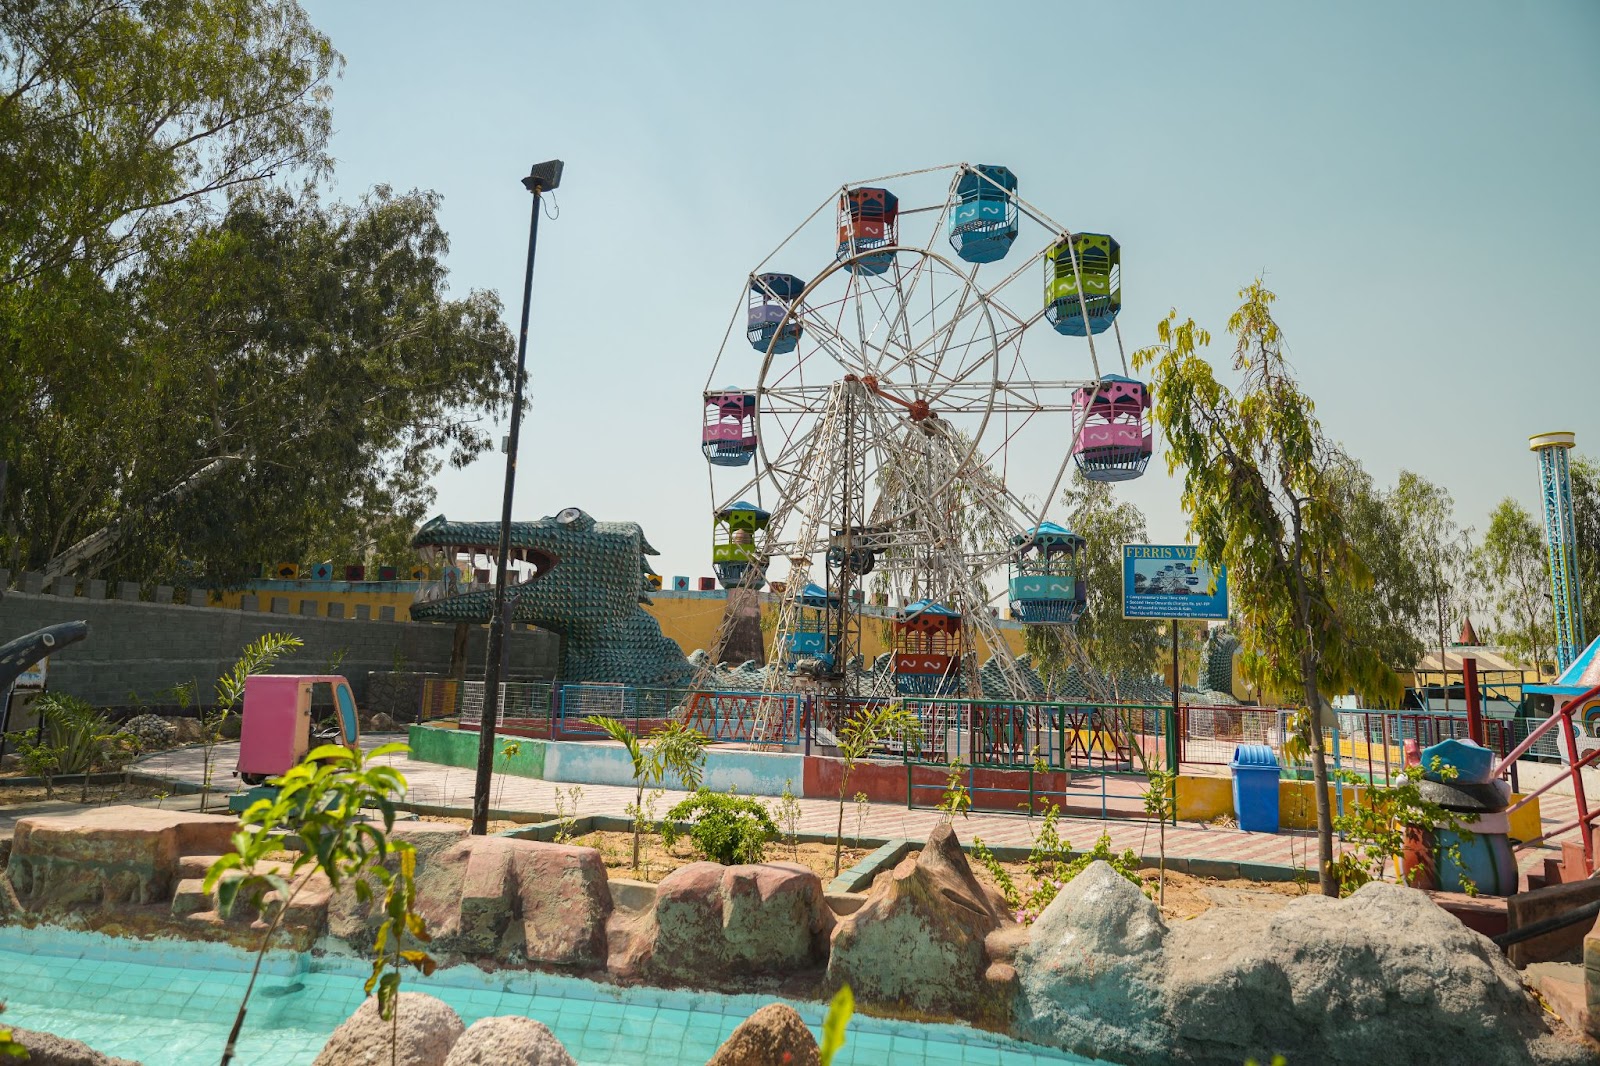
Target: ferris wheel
(915, 404)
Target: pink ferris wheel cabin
(728, 435)
(1116, 442)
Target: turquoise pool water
(170, 1003)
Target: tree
(1516, 576)
(1258, 487)
(1443, 551)
(1112, 647)
(1586, 516)
(286, 380)
(1386, 615)
(674, 748)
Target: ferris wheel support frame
(1561, 542)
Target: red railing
(1575, 764)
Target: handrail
(1540, 730)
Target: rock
(1089, 979)
(772, 1036)
(1384, 976)
(108, 855)
(509, 1041)
(186, 730)
(917, 945)
(712, 922)
(151, 732)
(47, 1049)
(382, 723)
(496, 897)
(10, 761)
(427, 1030)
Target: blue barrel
(1255, 788)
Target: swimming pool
(170, 1003)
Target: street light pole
(543, 178)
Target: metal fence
(751, 717)
(523, 705)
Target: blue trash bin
(1255, 788)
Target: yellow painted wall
(691, 619)
(1201, 798)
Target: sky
(1416, 181)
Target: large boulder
(107, 856)
(712, 923)
(774, 1035)
(510, 1040)
(917, 945)
(47, 1049)
(495, 897)
(423, 1032)
(1384, 976)
(1089, 978)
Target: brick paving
(451, 786)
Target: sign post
(1167, 581)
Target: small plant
(674, 748)
(863, 808)
(840, 1008)
(509, 749)
(1161, 803)
(857, 738)
(724, 827)
(567, 816)
(1051, 867)
(1002, 876)
(1377, 819)
(956, 799)
(258, 657)
(788, 813)
(39, 756)
(10, 1049)
(320, 801)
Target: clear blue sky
(1417, 180)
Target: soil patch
(497, 825)
(656, 860)
(72, 792)
(1187, 896)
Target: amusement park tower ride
(1555, 484)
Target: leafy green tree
(1516, 577)
(672, 749)
(321, 801)
(1160, 795)
(1259, 490)
(1443, 551)
(1112, 647)
(288, 379)
(1387, 614)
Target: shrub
(1052, 866)
(724, 827)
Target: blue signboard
(1165, 581)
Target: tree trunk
(638, 824)
(1319, 778)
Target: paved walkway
(451, 786)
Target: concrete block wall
(137, 649)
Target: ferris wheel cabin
(1046, 588)
(983, 222)
(868, 221)
(728, 435)
(769, 325)
(1099, 267)
(733, 545)
(927, 649)
(852, 549)
(812, 637)
(1115, 442)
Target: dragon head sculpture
(588, 581)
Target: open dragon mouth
(467, 554)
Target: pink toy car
(275, 729)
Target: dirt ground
(1187, 896)
(656, 860)
(495, 826)
(72, 791)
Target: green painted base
(241, 800)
